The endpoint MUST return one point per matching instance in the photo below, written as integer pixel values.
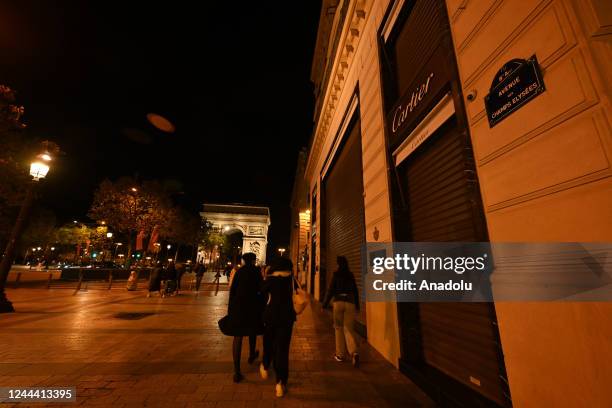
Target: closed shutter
(344, 211)
(459, 339)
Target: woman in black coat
(279, 316)
(244, 310)
(155, 280)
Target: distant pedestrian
(132, 282)
(170, 276)
(227, 272)
(180, 271)
(199, 273)
(343, 293)
(155, 280)
(244, 311)
(279, 316)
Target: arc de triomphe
(252, 221)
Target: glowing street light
(38, 170)
(109, 235)
(281, 251)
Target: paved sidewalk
(121, 349)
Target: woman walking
(155, 280)
(244, 310)
(343, 292)
(279, 316)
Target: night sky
(232, 76)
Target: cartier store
(452, 350)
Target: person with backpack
(343, 293)
(279, 316)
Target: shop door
(457, 340)
(344, 211)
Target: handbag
(227, 327)
(300, 298)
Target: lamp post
(38, 170)
(117, 245)
(281, 251)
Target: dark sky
(232, 76)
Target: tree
(183, 230)
(212, 240)
(13, 163)
(40, 230)
(132, 208)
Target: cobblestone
(176, 356)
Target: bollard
(49, 281)
(80, 282)
(110, 279)
(17, 279)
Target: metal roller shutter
(459, 339)
(344, 211)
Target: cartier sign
(402, 112)
(418, 98)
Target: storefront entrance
(452, 350)
(343, 211)
(457, 342)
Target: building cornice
(343, 60)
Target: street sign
(515, 84)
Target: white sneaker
(280, 390)
(263, 372)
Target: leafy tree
(184, 229)
(130, 208)
(212, 240)
(40, 230)
(13, 163)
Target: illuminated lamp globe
(38, 170)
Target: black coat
(155, 280)
(170, 272)
(245, 302)
(277, 289)
(342, 287)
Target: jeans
(276, 350)
(344, 325)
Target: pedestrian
(132, 282)
(155, 280)
(279, 316)
(244, 311)
(180, 271)
(343, 293)
(227, 271)
(199, 273)
(170, 277)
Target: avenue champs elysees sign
(515, 84)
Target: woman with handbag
(244, 311)
(279, 316)
(343, 292)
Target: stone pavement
(121, 349)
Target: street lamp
(109, 235)
(117, 245)
(38, 170)
(281, 251)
